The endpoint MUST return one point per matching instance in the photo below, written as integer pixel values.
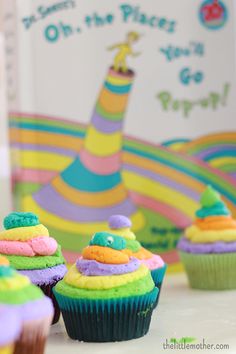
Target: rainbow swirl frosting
(121, 225)
(106, 271)
(214, 229)
(17, 290)
(25, 236)
(29, 248)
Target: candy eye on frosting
(110, 240)
(106, 239)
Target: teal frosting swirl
(218, 209)
(15, 220)
(6, 271)
(133, 245)
(107, 239)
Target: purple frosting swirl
(91, 267)
(46, 275)
(35, 309)
(10, 325)
(206, 248)
(119, 222)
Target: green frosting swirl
(21, 296)
(209, 197)
(36, 262)
(140, 287)
(15, 220)
(133, 245)
(211, 204)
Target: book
(4, 151)
(120, 107)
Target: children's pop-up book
(120, 107)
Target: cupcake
(107, 295)
(121, 225)
(10, 326)
(30, 250)
(34, 309)
(208, 248)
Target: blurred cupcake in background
(33, 308)
(107, 295)
(121, 225)
(208, 248)
(30, 250)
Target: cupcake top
(10, 325)
(16, 290)
(121, 225)
(27, 243)
(106, 271)
(214, 229)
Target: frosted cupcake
(107, 295)
(34, 309)
(208, 248)
(121, 225)
(30, 250)
(10, 327)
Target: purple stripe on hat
(205, 153)
(50, 200)
(47, 148)
(233, 174)
(105, 125)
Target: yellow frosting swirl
(24, 233)
(16, 282)
(78, 280)
(7, 349)
(196, 235)
(125, 232)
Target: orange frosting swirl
(141, 254)
(216, 223)
(4, 261)
(105, 255)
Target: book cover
(121, 107)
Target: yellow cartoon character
(124, 50)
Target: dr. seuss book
(120, 107)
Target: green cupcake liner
(210, 271)
(158, 274)
(158, 277)
(107, 320)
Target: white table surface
(181, 312)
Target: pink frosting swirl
(39, 246)
(154, 262)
